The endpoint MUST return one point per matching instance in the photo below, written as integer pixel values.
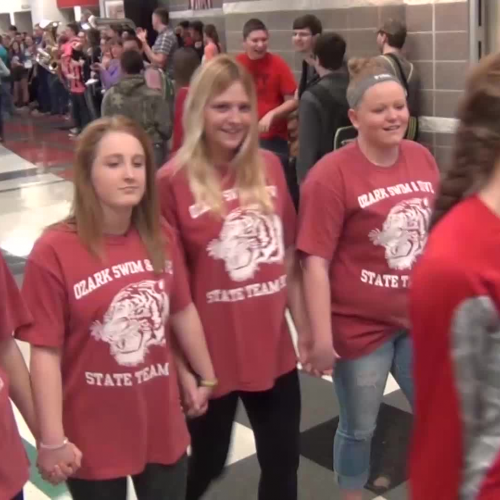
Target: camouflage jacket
(131, 97)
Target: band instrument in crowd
(46, 59)
(101, 23)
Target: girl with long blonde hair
(230, 205)
(103, 287)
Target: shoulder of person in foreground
(332, 164)
(272, 165)
(54, 240)
(420, 154)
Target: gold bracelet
(209, 383)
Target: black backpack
(337, 113)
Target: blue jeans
(19, 496)
(360, 384)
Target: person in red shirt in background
(276, 88)
(230, 205)
(102, 370)
(72, 65)
(455, 313)
(186, 61)
(364, 213)
(14, 382)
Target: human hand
(266, 122)
(194, 398)
(55, 466)
(105, 61)
(142, 34)
(323, 357)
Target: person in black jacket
(323, 106)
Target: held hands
(317, 358)
(266, 121)
(55, 466)
(194, 398)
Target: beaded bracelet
(209, 383)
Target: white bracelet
(53, 447)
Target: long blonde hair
(209, 81)
(86, 216)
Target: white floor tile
(29, 181)
(10, 162)
(242, 444)
(20, 230)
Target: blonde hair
(209, 81)
(86, 214)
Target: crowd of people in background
(67, 72)
(250, 146)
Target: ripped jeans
(360, 384)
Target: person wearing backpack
(323, 106)
(391, 38)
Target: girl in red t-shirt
(230, 205)
(103, 287)
(14, 382)
(455, 312)
(364, 213)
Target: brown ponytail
(477, 142)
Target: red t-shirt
(455, 304)
(180, 99)
(121, 402)
(14, 465)
(273, 80)
(238, 277)
(371, 223)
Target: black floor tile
(389, 446)
(319, 403)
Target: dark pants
(59, 97)
(275, 418)
(43, 91)
(80, 112)
(279, 146)
(19, 496)
(8, 101)
(156, 482)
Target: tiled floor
(35, 191)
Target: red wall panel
(65, 4)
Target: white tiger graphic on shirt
(134, 322)
(248, 239)
(404, 233)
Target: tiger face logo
(134, 322)
(404, 233)
(248, 239)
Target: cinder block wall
(438, 43)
